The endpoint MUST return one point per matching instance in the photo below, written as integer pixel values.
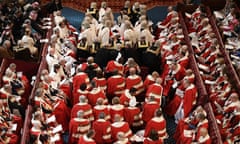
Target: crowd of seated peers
(222, 93)
(13, 101)
(115, 81)
(228, 20)
(23, 24)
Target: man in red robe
(134, 80)
(158, 123)
(191, 131)
(120, 126)
(113, 65)
(102, 130)
(173, 104)
(132, 115)
(175, 72)
(150, 79)
(84, 106)
(81, 91)
(8, 138)
(62, 114)
(192, 119)
(182, 56)
(87, 138)
(115, 85)
(129, 94)
(80, 78)
(78, 126)
(116, 109)
(90, 62)
(101, 108)
(122, 139)
(149, 109)
(155, 90)
(188, 100)
(96, 93)
(100, 80)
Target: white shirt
(51, 60)
(104, 36)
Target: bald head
(82, 99)
(90, 60)
(100, 101)
(117, 118)
(115, 100)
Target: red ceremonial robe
(77, 128)
(102, 130)
(159, 124)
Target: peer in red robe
(120, 126)
(113, 65)
(153, 138)
(183, 59)
(101, 108)
(175, 72)
(158, 123)
(82, 91)
(150, 141)
(132, 115)
(129, 94)
(90, 62)
(77, 127)
(122, 138)
(115, 86)
(62, 114)
(134, 81)
(204, 137)
(191, 131)
(87, 138)
(173, 105)
(192, 120)
(150, 79)
(155, 90)
(149, 109)
(78, 79)
(102, 130)
(94, 94)
(188, 100)
(84, 106)
(116, 109)
(10, 138)
(100, 80)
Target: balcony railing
(115, 5)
